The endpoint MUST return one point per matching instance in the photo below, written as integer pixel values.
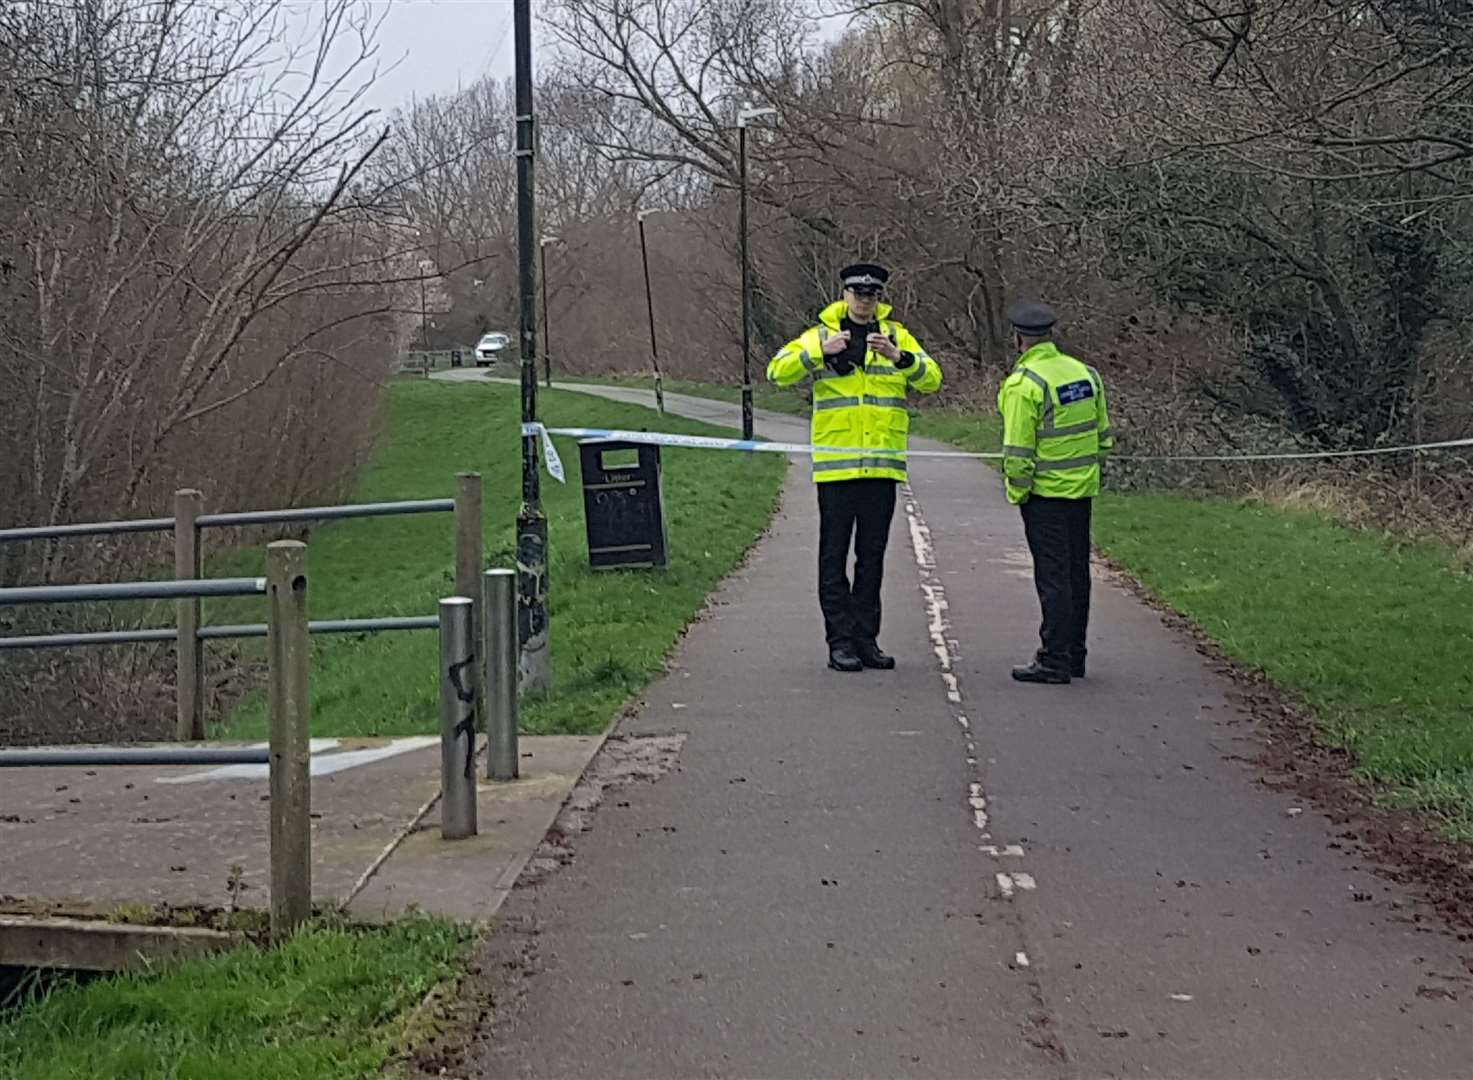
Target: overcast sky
(434, 46)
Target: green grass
(610, 630)
(331, 1002)
(763, 396)
(1374, 635)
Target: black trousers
(861, 510)
(1058, 537)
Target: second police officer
(1056, 431)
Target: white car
(490, 348)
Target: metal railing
(187, 524)
(469, 678)
(288, 756)
(212, 633)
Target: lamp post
(745, 114)
(650, 304)
(424, 322)
(532, 615)
(546, 328)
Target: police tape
(702, 442)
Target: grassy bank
(1369, 631)
(611, 631)
(330, 1003)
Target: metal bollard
(457, 718)
(499, 615)
(469, 559)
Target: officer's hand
(836, 344)
(884, 346)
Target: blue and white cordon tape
(701, 442)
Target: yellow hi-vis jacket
(862, 411)
(1056, 429)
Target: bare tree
(192, 254)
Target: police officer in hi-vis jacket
(1056, 431)
(862, 363)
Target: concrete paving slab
(86, 841)
(468, 879)
(136, 841)
(98, 945)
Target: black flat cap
(864, 276)
(1031, 317)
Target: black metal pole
(546, 327)
(650, 304)
(746, 289)
(532, 622)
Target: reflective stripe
(1021, 483)
(835, 464)
(826, 373)
(1048, 398)
(1107, 434)
(881, 366)
(848, 402)
(918, 369)
(1019, 451)
(808, 361)
(1067, 463)
(1069, 429)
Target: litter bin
(622, 504)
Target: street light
(650, 304)
(745, 114)
(533, 630)
(546, 329)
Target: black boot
(1038, 673)
(1076, 669)
(871, 656)
(844, 658)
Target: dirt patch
(624, 760)
(1404, 846)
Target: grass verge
(332, 1002)
(610, 631)
(1369, 631)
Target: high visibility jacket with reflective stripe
(864, 410)
(1056, 428)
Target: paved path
(936, 872)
